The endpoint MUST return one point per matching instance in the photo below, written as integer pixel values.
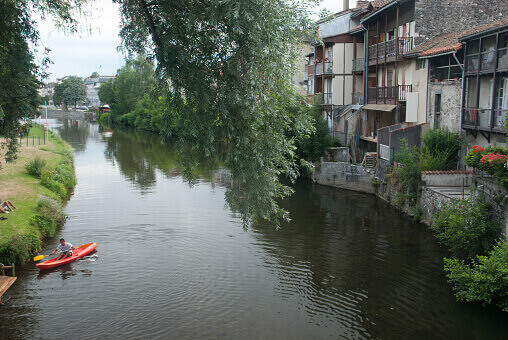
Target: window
(437, 104)
(420, 64)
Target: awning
(380, 107)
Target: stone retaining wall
(344, 175)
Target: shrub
(444, 144)
(485, 280)
(49, 215)
(466, 227)
(312, 147)
(493, 160)
(18, 247)
(35, 166)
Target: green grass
(19, 238)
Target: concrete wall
(344, 175)
(451, 92)
(447, 178)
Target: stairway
(369, 160)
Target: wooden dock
(6, 281)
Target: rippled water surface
(172, 262)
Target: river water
(173, 262)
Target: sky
(84, 53)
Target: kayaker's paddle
(39, 257)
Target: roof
(452, 42)
(438, 45)
(379, 107)
(356, 29)
(484, 28)
(379, 6)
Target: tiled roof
(438, 45)
(484, 28)
(452, 41)
(355, 29)
(380, 3)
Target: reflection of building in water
(222, 177)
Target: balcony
(403, 89)
(485, 61)
(387, 94)
(389, 51)
(358, 64)
(480, 119)
(324, 68)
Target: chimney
(362, 3)
(346, 5)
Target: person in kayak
(66, 249)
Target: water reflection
(346, 266)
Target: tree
(94, 75)
(132, 82)
(18, 72)
(71, 90)
(231, 62)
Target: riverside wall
(345, 176)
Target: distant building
(48, 89)
(92, 89)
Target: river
(173, 262)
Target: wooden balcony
(485, 62)
(390, 50)
(387, 94)
(484, 119)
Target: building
(485, 90)
(48, 89)
(406, 77)
(92, 89)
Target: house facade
(92, 89)
(485, 85)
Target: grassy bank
(38, 198)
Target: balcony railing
(358, 98)
(382, 95)
(403, 89)
(481, 118)
(358, 64)
(485, 61)
(324, 68)
(389, 50)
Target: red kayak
(77, 253)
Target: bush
(485, 280)
(312, 147)
(17, 248)
(49, 215)
(493, 160)
(445, 145)
(35, 166)
(466, 227)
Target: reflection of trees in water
(344, 248)
(139, 155)
(75, 132)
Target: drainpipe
(346, 5)
(461, 102)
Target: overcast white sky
(83, 54)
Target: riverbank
(38, 200)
